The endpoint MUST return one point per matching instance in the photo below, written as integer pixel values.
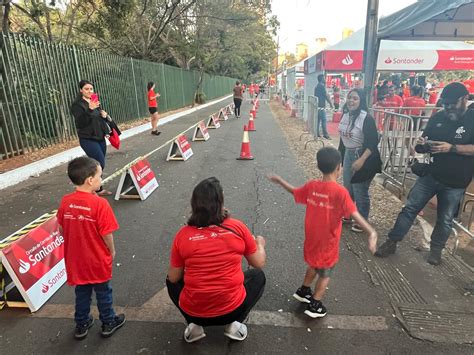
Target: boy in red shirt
(327, 203)
(87, 222)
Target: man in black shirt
(322, 95)
(449, 138)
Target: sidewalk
(361, 299)
(431, 302)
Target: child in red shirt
(87, 222)
(327, 203)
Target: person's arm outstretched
(372, 240)
(278, 180)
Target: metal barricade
(311, 121)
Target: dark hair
(328, 159)
(207, 204)
(83, 83)
(237, 82)
(320, 78)
(149, 85)
(362, 106)
(80, 169)
(416, 90)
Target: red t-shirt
(433, 98)
(85, 219)
(413, 101)
(392, 101)
(326, 203)
(212, 260)
(152, 99)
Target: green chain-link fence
(39, 80)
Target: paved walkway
(364, 298)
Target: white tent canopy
(430, 20)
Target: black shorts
(153, 110)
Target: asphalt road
(143, 242)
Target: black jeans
(237, 103)
(254, 283)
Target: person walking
(449, 139)
(322, 95)
(238, 91)
(205, 279)
(358, 146)
(153, 107)
(92, 127)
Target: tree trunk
(6, 16)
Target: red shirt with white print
(85, 219)
(326, 203)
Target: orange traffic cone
(257, 103)
(245, 150)
(253, 112)
(251, 126)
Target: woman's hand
(103, 114)
(357, 165)
(93, 105)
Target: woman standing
(91, 125)
(358, 146)
(238, 91)
(153, 107)
(205, 279)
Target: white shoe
(236, 331)
(193, 332)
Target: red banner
(144, 178)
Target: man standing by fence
(322, 95)
(449, 139)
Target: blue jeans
(322, 121)
(103, 293)
(360, 191)
(94, 149)
(424, 189)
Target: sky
(304, 20)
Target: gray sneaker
(386, 249)
(435, 256)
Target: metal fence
(39, 81)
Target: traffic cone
(251, 126)
(245, 150)
(257, 103)
(253, 113)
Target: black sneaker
(156, 133)
(82, 331)
(109, 329)
(435, 256)
(327, 138)
(386, 249)
(315, 309)
(303, 294)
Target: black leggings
(254, 283)
(237, 103)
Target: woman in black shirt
(91, 125)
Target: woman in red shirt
(153, 108)
(205, 279)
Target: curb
(23, 173)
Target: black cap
(452, 92)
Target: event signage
(200, 132)
(213, 121)
(137, 182)
(180, 149)
(35, 263)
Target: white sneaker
(236, 331)
(193, 332)
(356, 228)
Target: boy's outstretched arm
(278, 180)
(109, 241)
(372, 241)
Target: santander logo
(24, 267)
(44, 288)
(347, 60)
(388, 60)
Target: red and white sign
(400, 60)
(180, 149)
(200, 132)
(223, 114)
(144, 178)
(213, 121)
(35, 262)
